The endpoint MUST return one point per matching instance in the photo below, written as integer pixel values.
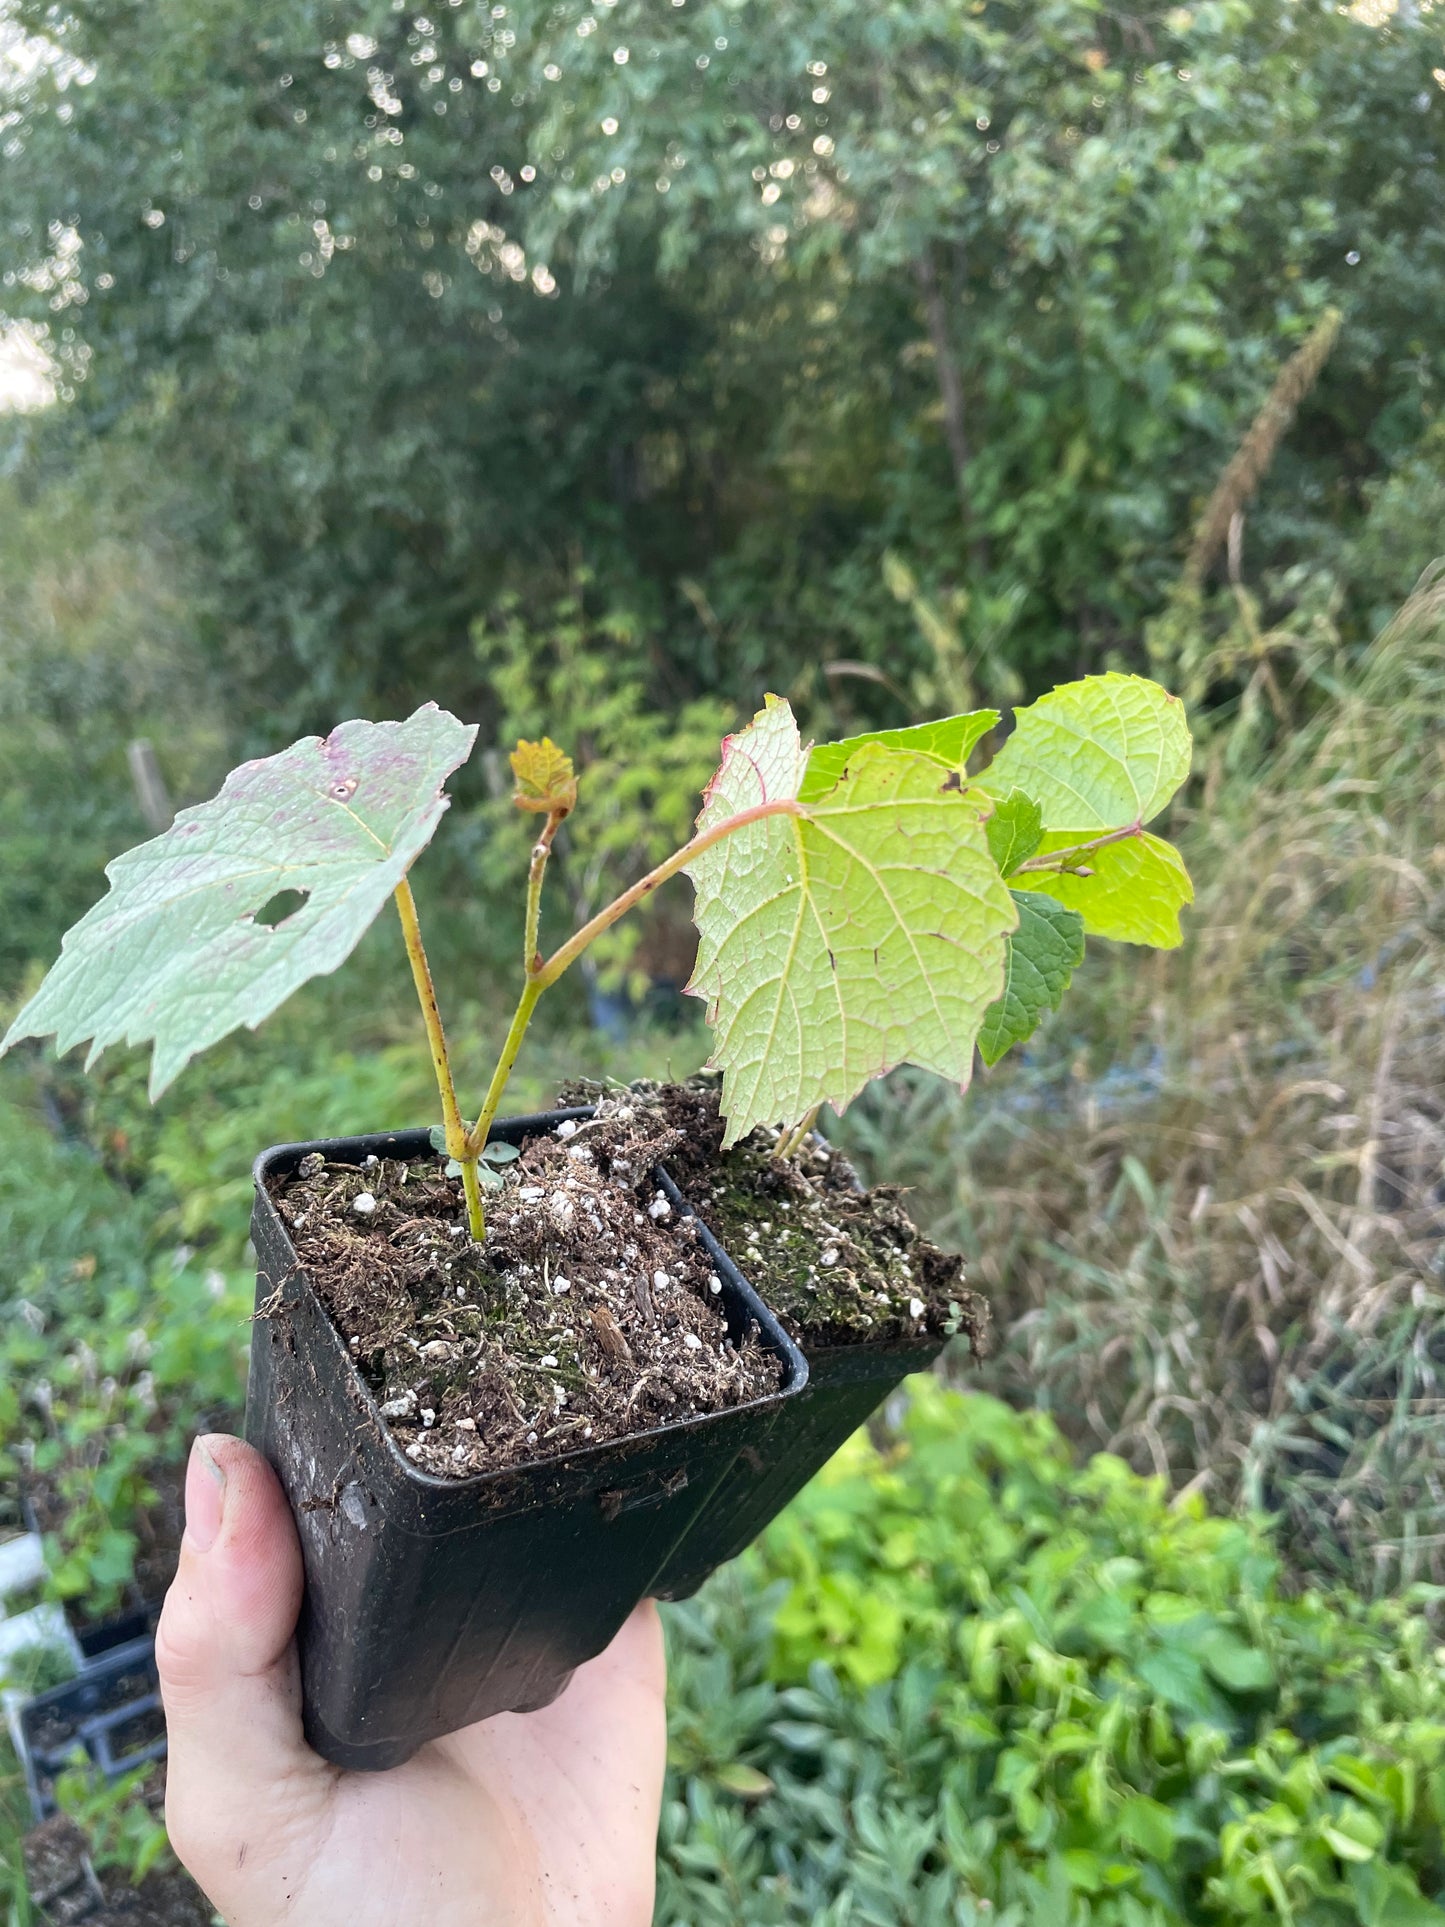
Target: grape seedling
(858, 904)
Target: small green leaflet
(1100, 755)
(838, 938)
(1096, 754)
(948, 742)
(1135, 891)
(492, 1154)
(1147, 1826)
(174, 953)
(1014, 831)
(1043, 953)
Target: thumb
(227, 1664)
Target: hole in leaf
(283, 905)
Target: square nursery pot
(846, 1385)
(431, 1603)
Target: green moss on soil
(838, 1264)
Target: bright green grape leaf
(837, 939)
(1096, 754)
(948, 742)
(174, 952)
(1134, 893)
(1014, 831)
(1043, 953)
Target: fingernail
(205, 1497)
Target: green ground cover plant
(963, 1680)
(114, 1342)
(15, 1908)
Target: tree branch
(950, 388)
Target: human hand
(544, 1819)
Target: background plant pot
(431, 1603)
(846, 1385)
(110, 1713)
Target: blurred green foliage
(99, 646)
(409, 356)
(964, 1682)
(125, 1833)
(722, 302)
(112, 1350)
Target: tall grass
(1224, 1257)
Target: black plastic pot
(846, 1385)
(431, 1603)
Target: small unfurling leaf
(546, 780)
(1015, 831)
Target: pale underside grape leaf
(1043, 954)
(863, 929)
(948, 742)
(1136, 890)
(1015, 831)
(1096, 754)
(174, 952)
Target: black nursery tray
(432, 1603)
(110, 1712)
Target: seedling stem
(541, 976)
(456, 1130)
